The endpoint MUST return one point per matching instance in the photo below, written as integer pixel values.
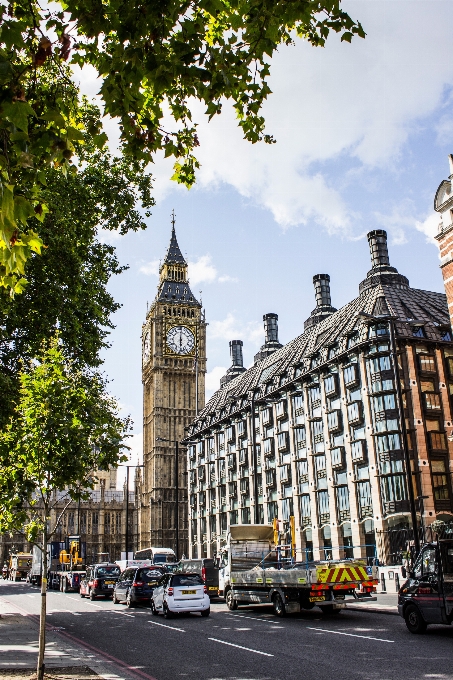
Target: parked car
(180, 593)
(207, 568)
(99, 579)
(136, 585)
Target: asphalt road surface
(248, 644)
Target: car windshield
(187, 580)
(149, 575)
(108, 571)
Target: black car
(207, 568)
(100, 579)
(136, 585)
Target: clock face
(180, 340)
(146, 346)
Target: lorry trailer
(254, 571)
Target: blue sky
(363, 133)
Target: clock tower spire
(173, 359)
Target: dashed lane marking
(165, 626)
(256, 618)
(247, 649)
(337, 632)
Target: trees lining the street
(151, 57)
(65, 426)
(67, 284)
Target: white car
(180, 593)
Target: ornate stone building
(320, 430)
(443, 204)
(173, 374)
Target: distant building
(314, 429)
(100, 522)
(173, 372)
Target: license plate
(213, 588)
(110, 586)
(189, 592)
(317, 598)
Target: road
(249, 644)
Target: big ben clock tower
(173, 376)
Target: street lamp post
(176, 443)
(402, 420)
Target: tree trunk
(42, 617)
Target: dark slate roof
(309, 351)
(174, 255)
(176, 291)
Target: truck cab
(427, 595)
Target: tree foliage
(151, 56)
(64, 428)
(67, 284)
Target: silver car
(180, 593)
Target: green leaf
(18, 113)
(23, 209)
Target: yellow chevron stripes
(341, 574)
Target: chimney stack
(378, 248)
(237, 362)
(323, 307)
(381, 273)
(236, 353)
(321, 283)
(270, 328)
(271, 342)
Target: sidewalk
(63, 659)
(386, 604)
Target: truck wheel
(279, 605)
(92, 595)
(414, 620)
(231, 602)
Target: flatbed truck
(252, 570)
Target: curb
(375, 610)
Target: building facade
(318, 429)
(100, 522)
(443, 204)
(173, 375)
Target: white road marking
(255, 618)
(164, 626)
(337, 632)
(30, 595)
(247, 649)
(95, 605)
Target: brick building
(318, 429)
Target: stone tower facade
(173, 376)
(443, 204)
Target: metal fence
(396, 545)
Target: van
(207, 568)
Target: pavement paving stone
(63, 660)
(386, 603)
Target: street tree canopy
(67, 284)
(151, 57)
(65, 427)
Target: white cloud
(227, 279)
(202, 271)
(429, 226)
(337, 113)
(150, 268)
(213, 380)
(232, 328)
